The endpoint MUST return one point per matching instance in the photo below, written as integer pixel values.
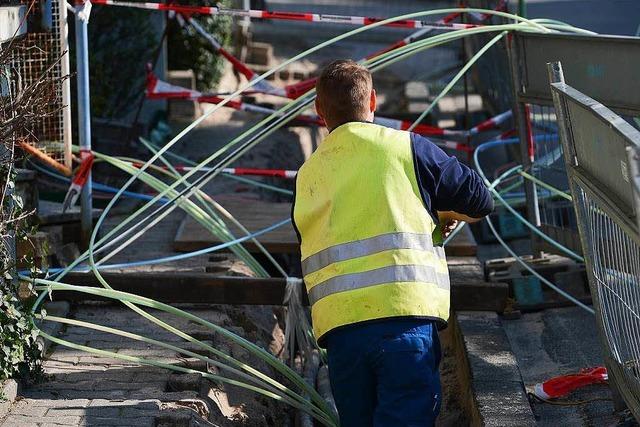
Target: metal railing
(602, 152)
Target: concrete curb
(497, 393)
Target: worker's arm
(451, 190)
(293, 210)
(447, 216)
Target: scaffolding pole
(84, 114)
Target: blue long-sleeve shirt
(446, 184)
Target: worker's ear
(319, 109)
(373, 103)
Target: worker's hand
(446, 216)
(448, 226)
(448, 222)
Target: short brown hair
(343, 90)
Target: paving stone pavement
(84, 389)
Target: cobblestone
(83, 389)
(23, 408)
(64, 412)
(118, 422)
(28, 420)
(71, 403)
(142, 404)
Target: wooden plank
(184, 287)
(196, 288)
(257, 214)
(254, 214)
(479, 296)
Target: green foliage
(20, 353)
(192, 51)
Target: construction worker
(368, 204)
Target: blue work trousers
(385, 373)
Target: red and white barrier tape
(295, 90)
(261, 86)
(79, 179)
(491, 123)
(158, 89)
(531, 144)
(508, 134)
(292, 91)
(413, 37)
(421, 129)
(502, 6)
(453, 145)
(306, 85)
(563, 385)
(286, 16)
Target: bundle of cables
(184, 191)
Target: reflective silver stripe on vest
(360, 248)
(390, 274)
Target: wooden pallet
(257, 214)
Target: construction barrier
(602, 153)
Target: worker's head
(345, 94)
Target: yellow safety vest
(366, 236)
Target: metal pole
(522, 118)
(63, 30)
(522, 8)
(84, 117)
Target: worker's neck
(331, 127)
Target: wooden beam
(185, 287)
(195, 288)
(479, 296)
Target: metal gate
(602, 152)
